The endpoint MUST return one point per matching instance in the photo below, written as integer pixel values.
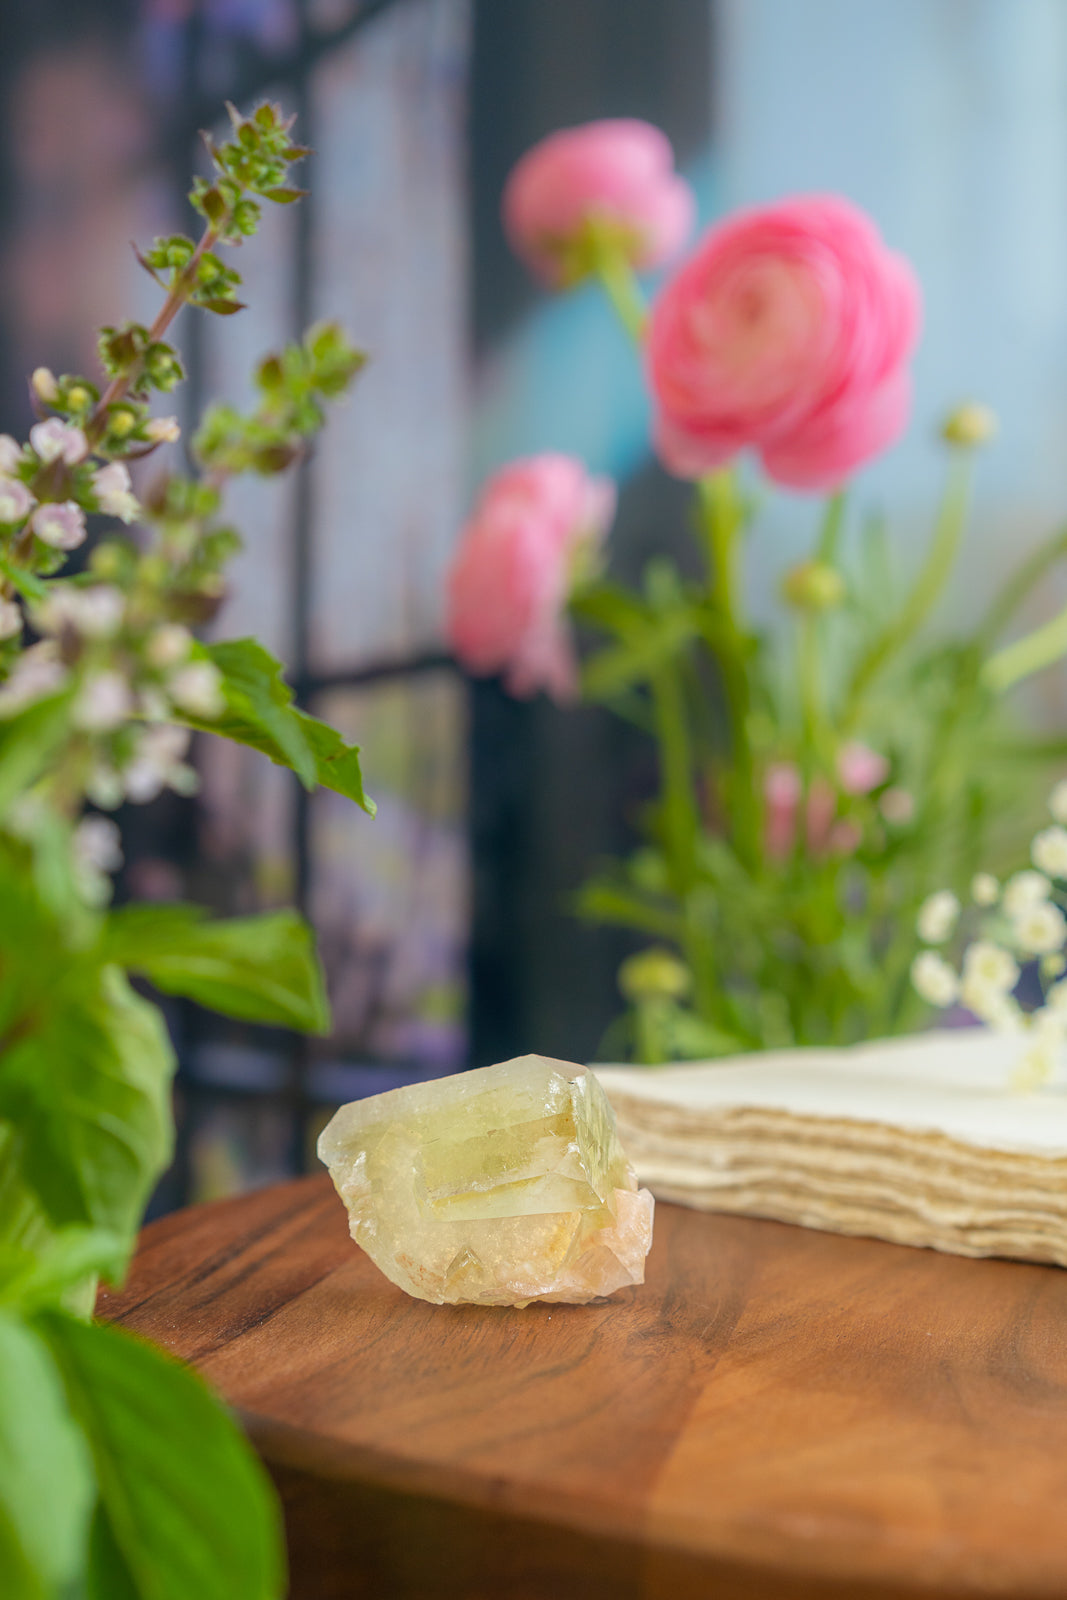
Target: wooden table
(776, 1413)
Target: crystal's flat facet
(499, 1186)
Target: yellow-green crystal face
(499, 1186)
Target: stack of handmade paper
(919, 1140)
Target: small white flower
(103, 703)
(935, 981)
(10, 619)
(990, 973)
(1023, 890)
(1037, 1064)
(10, 454)
(96, 612)
(59, 441)
(985, 890)
(37, 673)
(157, 764)
(1056, 999)
(44, 385)
(61, 526)
(112, 487)
(169, 645)
(197, 688)
(98, 844)
(104, 787)
(16, 501)
(1049, 852)
(164, 430)
(937, 916)
(1057, 802)
(1040, 929)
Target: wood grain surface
(775, 1413)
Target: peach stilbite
(509, 580)
(617, 175)
(788, 331)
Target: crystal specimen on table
(498, 1186)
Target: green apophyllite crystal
(500, 1186)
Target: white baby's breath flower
(1056, 999)
(104, 702)
(934, 980)
(16, 501)
(937, 916)
(10, 619)
(10, 454)
(1039, 929)
(1023, 890)
(1049, 852)
(169, 645)
(985, 890)
(197, 688)
(990, 973)
(59, 441)
(62, 526)
(1057, 802)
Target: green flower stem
(1027, 655)
(619, 282)
(177, 296)
(681, 818)
(721, 522)
(1018, 587)
(926, 590)
(830, 532)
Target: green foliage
(183, 1505)
(259, 969)
(260, 713)
(120, 1477)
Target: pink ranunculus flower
(619, 173)
(788, 331)
(509, 579)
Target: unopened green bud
(813, 586)
(970, 425)
(654, 974)
(78, 397)
(121, 422)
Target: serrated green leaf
(46, 1478)
(187, 1509)
(86, 1082)
(260, 969)
(260, 713)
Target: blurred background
(445, 924)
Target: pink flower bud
(58, 441)
(860, 768)
(10, 454)
(62, 526)
(16, 501)
(510, 577)
(788, 331)
(618, 174)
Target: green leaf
(186, 1508)
(86, 1082)
(46, 1479)
(220, 305)
(28, 741)
(260, 713)
(35, 1280)
(261, 969)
